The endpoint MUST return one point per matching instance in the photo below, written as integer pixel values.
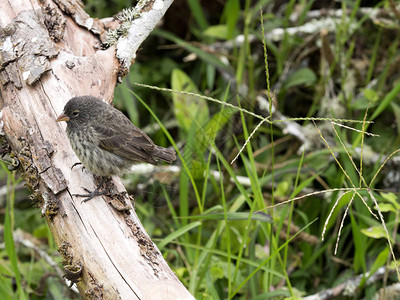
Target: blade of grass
(205, 56)
(227, 232)
(197, 11)
(175, 147)
(236, 216)
(8, 233)
(176, 234)
(269, 258)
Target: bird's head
(78, 110)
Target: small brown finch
(105, 140)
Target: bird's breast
(97, 160)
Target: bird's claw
(75, 164)
(90, 194)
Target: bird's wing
(125, 140)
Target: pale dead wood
(51, 51)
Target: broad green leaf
(371, 95)
(376, 232)
(385, 207)
(207, 135)
(217, 31)
(361, 103)
(302, 76)
(392, 198)
(187, 108)
(282, 189)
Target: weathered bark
(50, 51)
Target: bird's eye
(75, 113)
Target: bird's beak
(62, 117)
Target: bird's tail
(164, 154)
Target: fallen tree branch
(349, 287)
(52, 51)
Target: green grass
(252, 214)
(12, 255)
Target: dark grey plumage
(105, 140)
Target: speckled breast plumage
(93, 157)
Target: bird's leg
(96, 192)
